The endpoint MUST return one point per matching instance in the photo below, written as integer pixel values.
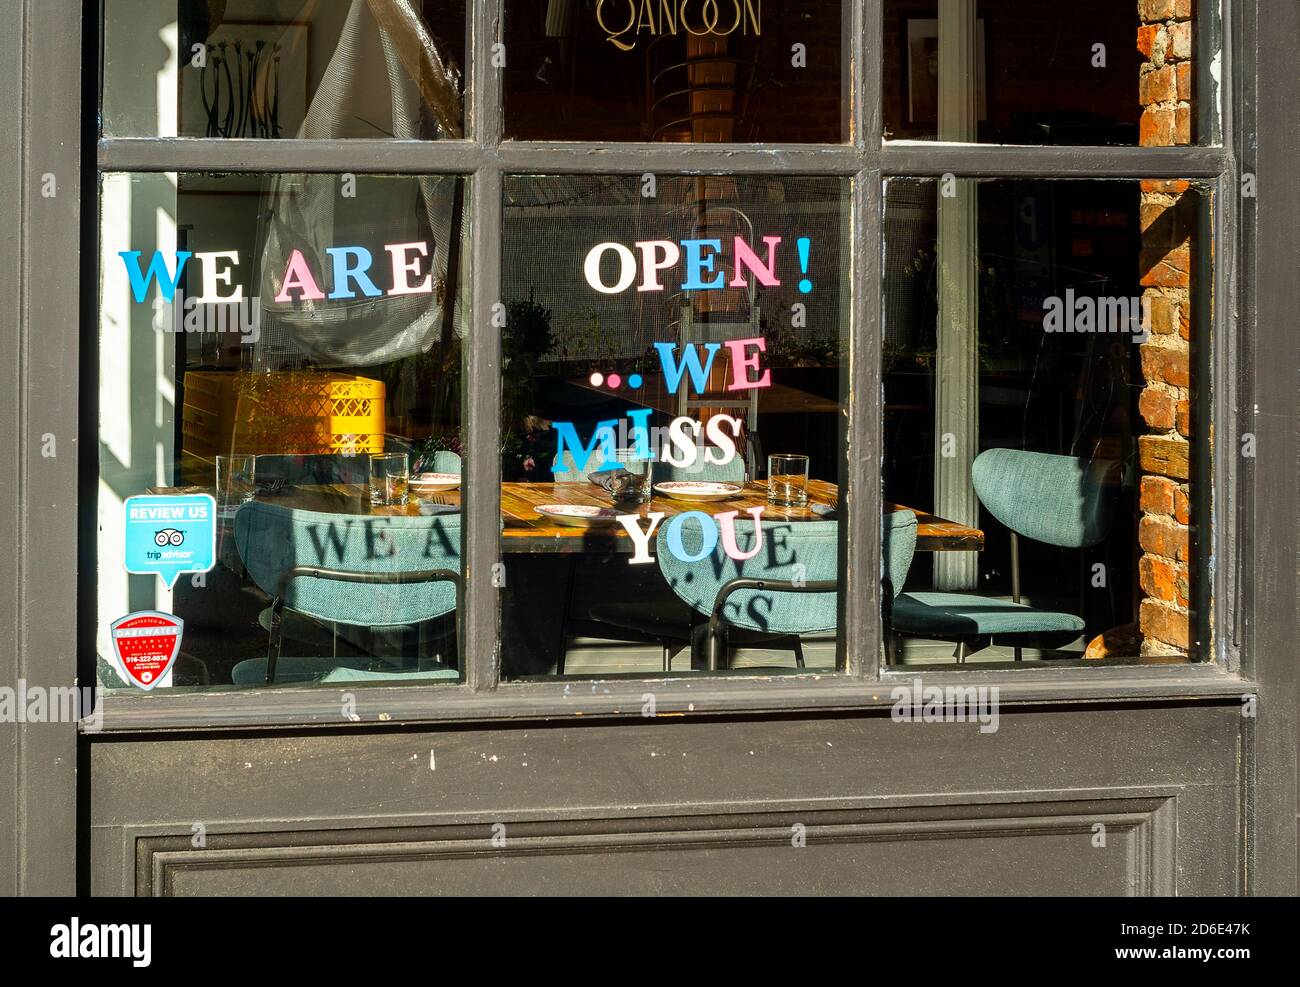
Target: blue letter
(641, 433)
(342, 272)
(690, 361)
(568, 436)
(708, 535)
(157, 271)
(696, 262)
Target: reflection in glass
(687, 330)
(1011, 72)
(289, 68)
(261, 337)
(676, 70)
(1049, 401)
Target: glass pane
(1043, 400)
(667, 339)
(279, 409)
(283, 68)
(701, 71)
(1117, 72)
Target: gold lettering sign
(622, 20)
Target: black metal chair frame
(278, 606)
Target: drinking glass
(236, 482)
(787, 480)
(637, 488)
(389, 474)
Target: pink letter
(650, 267)
(727, 525)
(746, 258)
(403, 268)
(297, 275)
(742, 362)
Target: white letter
(641, 539)
(211, 276)
(626, 274)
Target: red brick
(1166, 363)
(1164, 457)
(1164, 623)
(1182, 9)
(1156, 10)
(1182, 507)
(1158, 86)
(1180, 40)
(1157, 409)
(1183, 125)
(1164, 580)
(1164, 313)
(1168, 186)
(1165, 267)
(1184, 70)
(1161, 536)
(1156, 128)
(1156, 495)
(1149, 42)
(1183, 417)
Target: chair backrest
(1059, 500)
(807, 550)
(273, 539)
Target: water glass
(637, 485)
(236, 482)
(787, 480)
(390, 473)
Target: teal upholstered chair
(1059, 500)
(364, 570)
(784, 592)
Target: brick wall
(1168, 214)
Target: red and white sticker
(146, 643)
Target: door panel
(681, 807)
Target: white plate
(578, 515)
(434, 482)
(697, 490)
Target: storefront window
(678, 71)
(713, 391)
(284, 69)
(1114, 72)
(1042, 385)
(279, 407)
(670, 421)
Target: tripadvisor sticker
(170, 535)
(146, 644)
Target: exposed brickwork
(1164, 38)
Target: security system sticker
(170, 535)
(146, 644)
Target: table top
(524, 531)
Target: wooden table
(524, 531)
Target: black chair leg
(798, 653)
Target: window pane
(702, 71)
(1113, 72)
(639, 462)
(287, 68)
(1043, 387)
(279, 383)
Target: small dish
(578, 515)
(427, 483)
(697, 490)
